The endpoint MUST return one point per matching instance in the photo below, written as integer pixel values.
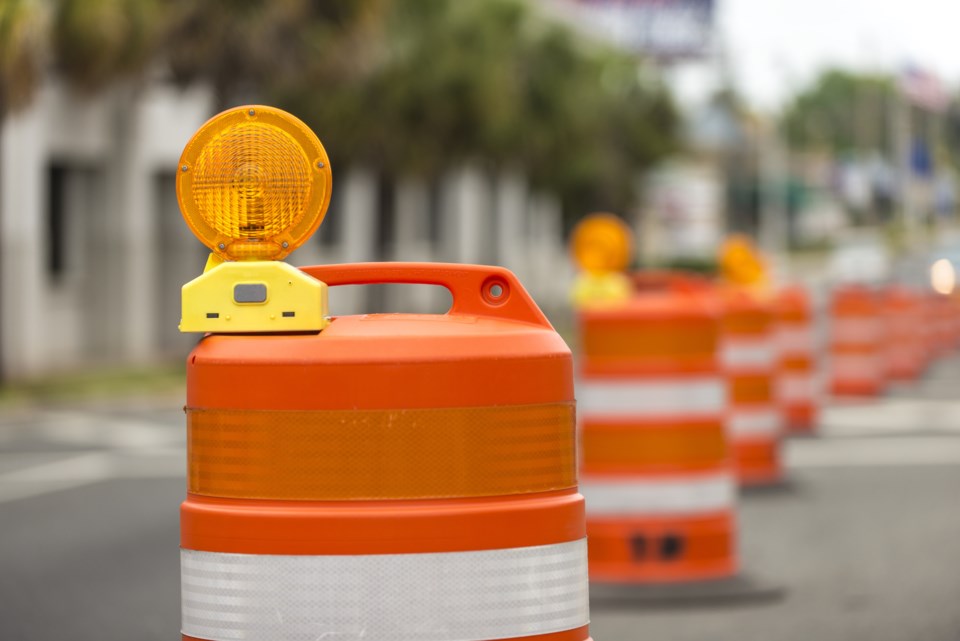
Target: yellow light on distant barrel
(254, 183)
(602, 243)
(740, 262)
(943, 276)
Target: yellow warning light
(741, 263)
(602, 243)
(254, 183)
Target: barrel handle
(473, 287)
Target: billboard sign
(663, 29)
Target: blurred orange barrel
(953, 319)
(926, 327)
(655, 463)
(946, 323)
(392, 477)
(755, 417)
(904, 351)
(856, 342)
(798, 384)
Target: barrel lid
(484, 351)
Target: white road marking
(881, 451)
(69, 427)
(890, 416)
(90, 467)
(124, 448)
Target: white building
(93, 250)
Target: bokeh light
(943, 276)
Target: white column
(412, 223)
(23, 280)
(550, 274)
(411, 242)
(139, 230)
(511, 210)
(358, 190)
(466, 219)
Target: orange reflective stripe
(797, 363)
(381, 454)
(747, 322)
(751, 389)
(628, 447)
(631, 339)
(790, 315)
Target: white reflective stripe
(857, 366)
(797, 387)
(748, 352)
(762, 421)
(856, 331)
(658, 496)
(615, 397)
(448, 596)
(795, 339)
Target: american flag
(923, 89)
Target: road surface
(864, 540)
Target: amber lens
(602, 243)
(250, 181)
(254, 183)
(740, 262)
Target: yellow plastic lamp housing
(600, 290)
(602, 243)
(254, 183)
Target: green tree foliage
(842, 112)
(406, 86)
(491, 79)
(22, 26)
(96, 42)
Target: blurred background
(463, 131)
(473, 131)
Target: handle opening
(477, 290)
(399, 298)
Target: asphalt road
(864, 541)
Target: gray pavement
(864, 540)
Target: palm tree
(97, 42)
(247, 48)
(22, 26)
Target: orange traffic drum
(655, 464)
(904, 351)
(392, 477)
(857, 335)
(946, 315)
(798, 381)
(749, 356)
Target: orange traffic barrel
(393, 476)
(856, 342)
(755, 417)
(953, 320)
(946, 312)
(926, 327)
(904, 351)
(798, 380)
(936, 330)
(655, 462)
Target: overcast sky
(773, 44)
